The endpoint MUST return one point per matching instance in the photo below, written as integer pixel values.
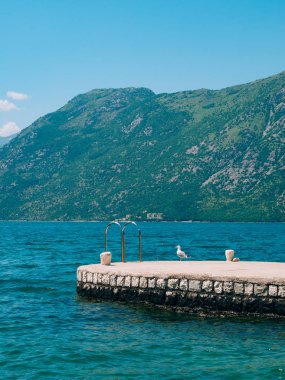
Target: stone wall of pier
(185, 294)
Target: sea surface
(48, 332)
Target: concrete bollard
(229, 254)
(106, 258)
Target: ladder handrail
(139, 237)
(122, 228)
(106, 232)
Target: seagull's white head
(178, 246)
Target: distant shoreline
(138, 221)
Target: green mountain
(114, 153)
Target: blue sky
(52, 50)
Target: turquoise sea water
(47, 332)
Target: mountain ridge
(130, 153)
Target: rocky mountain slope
(114, 153)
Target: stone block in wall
(238, 288)
(105, 279)
(218, 287)
(151, 283)
(123, 294)
(120, 281)
(260, 290)
(173, 283)
(223, 302)
(273, 290)
(192, 298)
(135, 282)
(113, 280)
(143, 282)
(99, 278)
(265, 305)
(248, 289)
(207, 301)
(161, 283)
(281, 291)
(281, 306)
(237, 304)
(86, 287)
(171, 298)
(115, 292)
(251, 304)
(128, 281)
(143, 295)
(183, 284)
(79, 275)
(84, 277)
(207, 286)
(228, 286)
(157, 297)
(182, 299)
(195, 285)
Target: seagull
(181, 254)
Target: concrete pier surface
(223, 270)
(190, 286)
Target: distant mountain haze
(116, 153)
(5, 140)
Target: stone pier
(191, 286)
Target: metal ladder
(122, 229)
